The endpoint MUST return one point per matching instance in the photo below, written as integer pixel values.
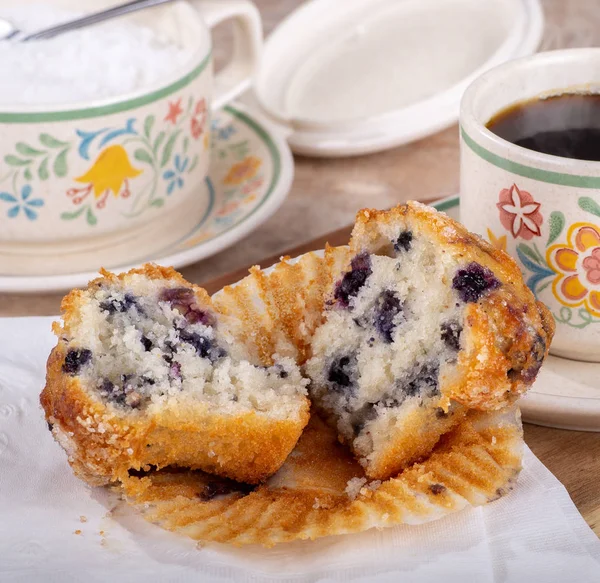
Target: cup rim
(52, 112)
(468, 121)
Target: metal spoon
(9, 31)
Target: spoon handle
(119, 10)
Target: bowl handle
(236, 76)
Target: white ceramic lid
(361, 76)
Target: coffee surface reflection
(566, 125)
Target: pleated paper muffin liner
(321, 490)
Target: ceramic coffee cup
(543, 210)
(93, 183)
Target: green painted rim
(548, 176)
(446, 204)
(109, 109)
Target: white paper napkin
(535, 532)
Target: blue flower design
(174, 177)
(26, 203)
(222, 133)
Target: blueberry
(473, 281)
(75, 359)
(113, 305)
(108, 390)
(196, 316)
(183, 299)
(363, 416)
(353, 280)
(437, 488)
(175, 370)
(526, 375)
(223, 487)
(175, 295)
(147, 343)
(538, 351)
(204, 347)
(387, 307)
(339, 373)
(450, 332)
(200, 343)
(107, 386)
(424, 382)
(403, 242)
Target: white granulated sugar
(99, 62)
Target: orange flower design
(243, 170)
(577, 268)
(174, 111)
(498, 242)
(519, 214)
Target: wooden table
(424, 170)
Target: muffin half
(426, 322)
(147, 374)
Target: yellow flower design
(498, 242)
(108, 173)
(243, 170)
(198, 239)
(577, 268)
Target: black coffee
(566, 125)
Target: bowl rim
(76, 110)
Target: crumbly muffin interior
(393, 329)
(143, 341)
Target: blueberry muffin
(147, 374)
(425, 323)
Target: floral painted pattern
(41, 160)
(142, 152)
(591, 265)
(577, 268)
(198, 121)
(570, 270)
(241, 171)
(110, 173)
(175, 177)
(498, 242)
(25, 204)
(241, 175)
(519, 213)
(175, 110)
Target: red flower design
(198, 119)
(174, 111)
(519, 213)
